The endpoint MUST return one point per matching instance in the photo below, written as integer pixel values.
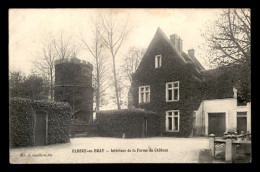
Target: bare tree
(53, 49)
(46, 61)
(64, 47)
(131, 61)
(228, 41)
(96, 49)
(229, 38)
(113, 35)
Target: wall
(23, 117)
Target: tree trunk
(98, 90)
(51, 85)
(116, 89)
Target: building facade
(217, 116)
(189, 99)
(170, 83)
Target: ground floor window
(172, 120)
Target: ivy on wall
(130, 122)
(173, 69)
(22, 121)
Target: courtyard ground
(103, 150)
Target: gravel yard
(114, 150)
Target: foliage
(53, 48)
(32, 86)
(130, 122)
(228, 42)
(131, 61)
(22, 121)
(229, 37)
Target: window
(242, 122)
(172, 121)
(144, 94)
(172, 91)
(158, 61)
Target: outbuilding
(38, 123)
(217, 116)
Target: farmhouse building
(169, 82)
(176, 86)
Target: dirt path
(114, 150)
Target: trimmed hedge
(130, 122)
(22, 121)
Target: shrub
(22, 121)
(131, 122)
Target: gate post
(228, 152)
(212, 144)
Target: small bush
(128, 122)
(22, 121)
(205, 156)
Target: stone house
(167, 82)
(176, 86)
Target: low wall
(88, 129)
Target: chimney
(180, 44)
(235, 92)
(191, 53)
(177, 42)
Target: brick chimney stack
(191, 53)
(177, 42)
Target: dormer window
(158, 61)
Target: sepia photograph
(129, 85)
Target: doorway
(241, 122)
(41, 129)
(144, 133)
(217, 124)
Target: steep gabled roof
(197, 63)
(180, 55)
(183, 56)
(159, 31)
(192, 59)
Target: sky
(29, 27)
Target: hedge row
(22, 121)
(130, 122)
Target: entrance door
(40, 129)
(144, 127)
(241, 122)
(217, 124)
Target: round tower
(73, 84)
